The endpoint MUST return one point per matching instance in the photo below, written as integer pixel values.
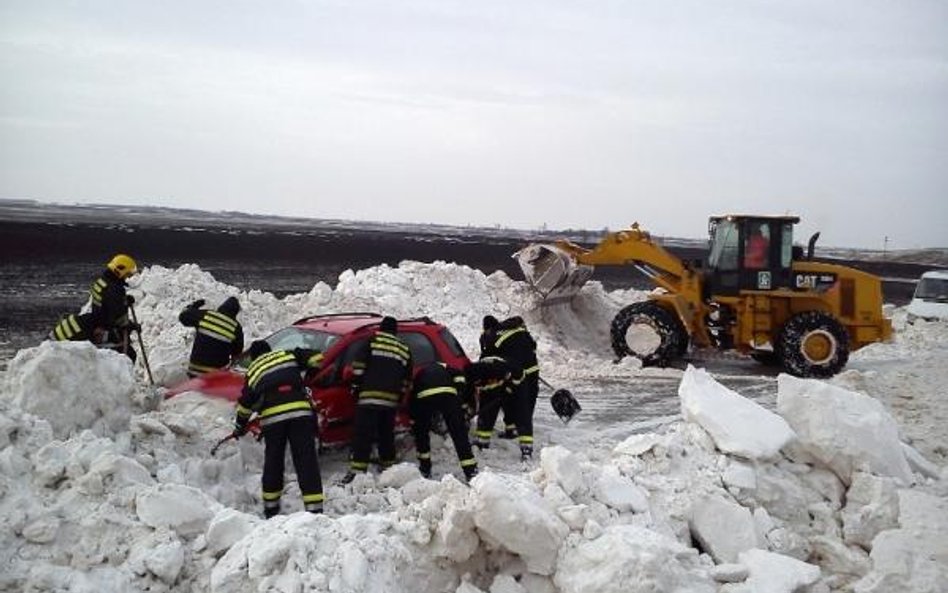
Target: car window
(292, 337)
(422, 350)
(453, 345)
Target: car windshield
(294, 337)
(932, 289)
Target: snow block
(845, 430)
(184, 509)
(872, 506)
(774, 573)
(723, 528)
(737, 425)
(511, 513)
(619, 492)
(630, 559)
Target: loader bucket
(552, 271)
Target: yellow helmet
(122, 265)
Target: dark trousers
(373, 425)
(527, 393)
(298, 432)
(423, 410)
(489, 406)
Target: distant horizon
(545, 233)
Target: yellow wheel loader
(756, 293)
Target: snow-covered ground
(841, 488)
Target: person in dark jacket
(382, 377)
(515, 345)
(496, 382)
(111, 327)
(439, 389)
(219, 338)
(488, 336)
(72, 327)
(273, 390)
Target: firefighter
(497, 383)
(488, 336)
(72, 327)
(515, 345)
(273, 389)
(382, 376)
(439, 389)
(111, 327)
(219, 338)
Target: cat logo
(813, 281)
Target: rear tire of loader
(813, 344)
(672, 338)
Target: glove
(197, 304)
(129, 299)
(240, 426)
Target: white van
(931, 296)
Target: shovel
(563, 402)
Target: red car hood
(224, 384)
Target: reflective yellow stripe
(272, 495)
(401, 352)
(379, 395)
(512, 332)
(200, 367)
(243, 411)
(315, 360)
(313, 497)
(359, 465)
(274, 410)
(468, 462)
(424, 455)
(391, 340)
(526, 439)
(483, 433)
(437, 390)
(220, 319)
(267, 362)
(534, 369)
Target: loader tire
(813, 344)
(670, 336)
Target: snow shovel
(141, 344)
(563, 402)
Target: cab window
(724, 246)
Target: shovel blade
(565, 405)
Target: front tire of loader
(672, 338)
(813, 344)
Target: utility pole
(885, 246)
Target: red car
(338, 336)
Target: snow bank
(101, 493)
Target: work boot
(470, 472)
(424, 466)
(481, 443)
(347, 479)
(526, 452)
(270, 512)
(508, 433)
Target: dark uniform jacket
(494, 375)
(439, 379)
(73, 327)
(219, 337)
(382, 370)
(109, 302)
(273, 386)
(515, 345)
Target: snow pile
(731, 500)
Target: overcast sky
(583, 114)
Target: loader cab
(750, 253)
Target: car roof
(346, 323)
